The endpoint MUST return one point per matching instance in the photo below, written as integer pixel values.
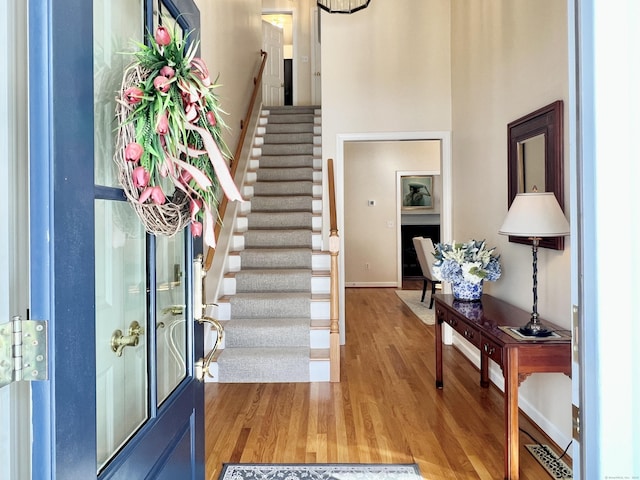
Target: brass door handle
(119, 340)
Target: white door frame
(446, 213)
(15, 401)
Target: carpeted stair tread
(288, 137)
(292, 118)
(279, 220)
(274, 280)
(287, 149)
(267, 304)
(286, 161)
(267, 332)
(283, 203)
(283, 109)
(308, 127)
(264, 365)
(283, 188)
(299, 238)
(291, 174)
(284, 258)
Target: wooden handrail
(244, 127)
(334, 302)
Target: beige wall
(231, 44)
(371, 232)
(509, 58)
(386, 68)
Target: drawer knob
(489, 350)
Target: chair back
(429, 249)
(424, 249)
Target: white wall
(370, 233)
(509, 58)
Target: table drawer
(492, 350)
(463, 328)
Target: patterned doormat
(319, 471)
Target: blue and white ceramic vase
(467, 291)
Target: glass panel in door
(171, 327)
(122, 382)
(121, 337)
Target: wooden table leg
(439, 383)
(484, 369)
(511, 441)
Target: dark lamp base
(535, 330)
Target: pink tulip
(185, 177)
(133, 152)
(168, 72)
(162, 125)
(161, 84)
(201, 70)
(157, 196)
(141, 177)
(154, 193)
(144, 196)
(162, 36)
(196, 229)
(211, 118)
(133, 95)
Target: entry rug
(411, 298)
(319, 471)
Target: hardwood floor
(386, 409)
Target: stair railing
(244, 127)
(334, 250)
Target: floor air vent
(551, 462)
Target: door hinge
(23, 351)
(575, 421)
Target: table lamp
(535, 215)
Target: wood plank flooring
(386, 409)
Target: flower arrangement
(470, 262)
(170, 151)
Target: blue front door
(121, 401)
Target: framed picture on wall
(416, 192)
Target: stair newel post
(334, 249)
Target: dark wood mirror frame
(548, 121)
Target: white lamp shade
(535, 215)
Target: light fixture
(343, 6)
(535, 215)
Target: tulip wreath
(170, 152)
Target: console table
(485, 325)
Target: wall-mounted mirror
(535, 160)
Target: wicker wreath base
(168, 218)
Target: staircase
(275, 295)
